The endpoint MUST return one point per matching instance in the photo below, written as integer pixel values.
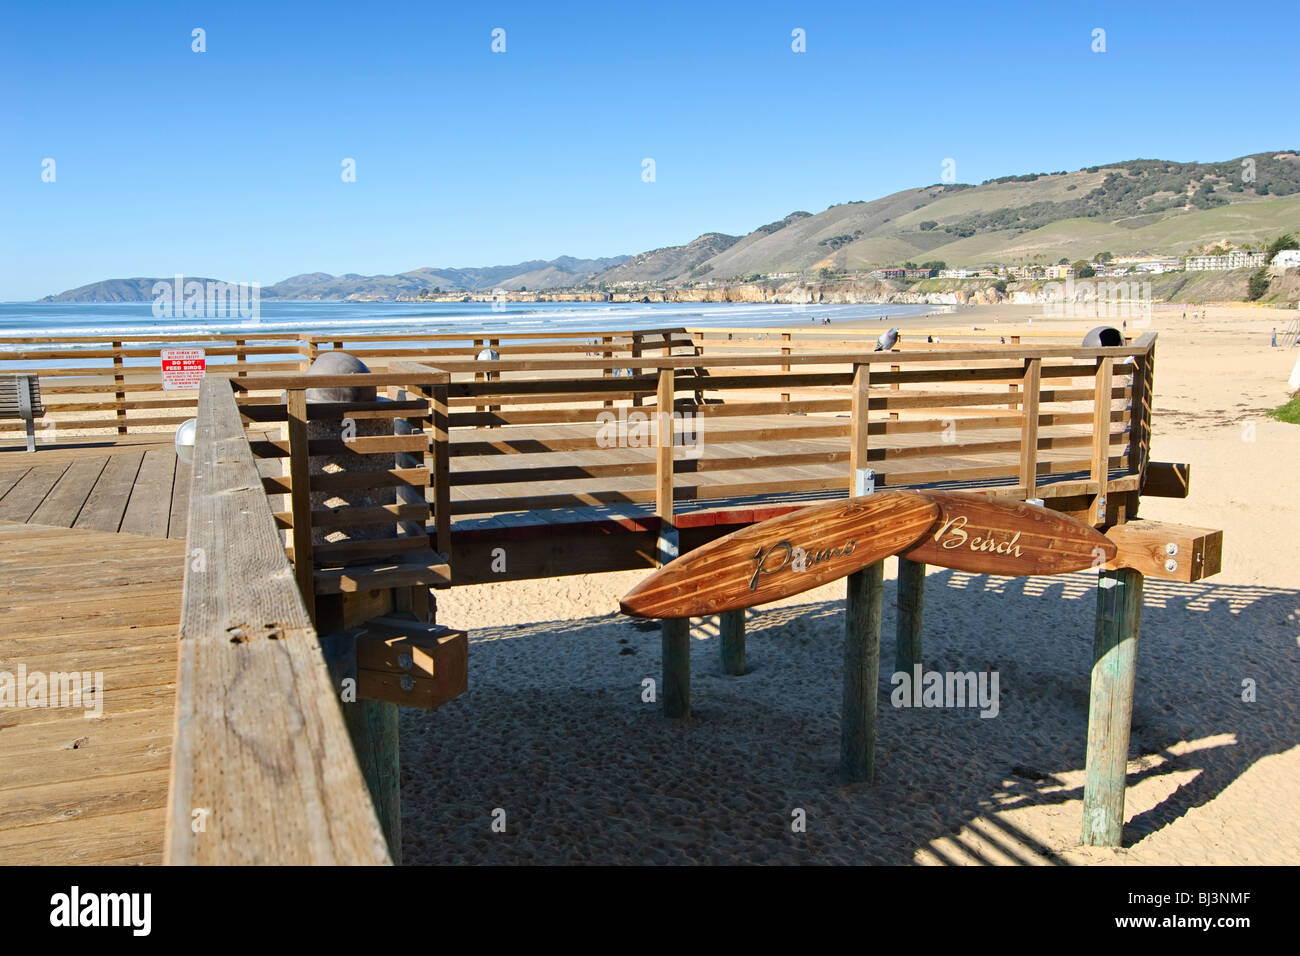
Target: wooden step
(389, 574)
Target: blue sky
(227, 163)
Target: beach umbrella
(887, 340)
(488, 355)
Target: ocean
(332, 318)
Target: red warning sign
(182, 369)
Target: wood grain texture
(1110, 707)
(758, 564)
(260, 738)
(986, 535)
(864, 599)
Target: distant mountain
(534, 274)
(1140, 206)
(116, 290)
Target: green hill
(1141, 206)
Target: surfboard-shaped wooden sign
(786, 555)
(986, 535)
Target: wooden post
(894, 388)
(607, 372)
(863, 601)
(240, 358)
(911, 605)
(866, 590)
(731, 628)
(1139, 419)
(1029, 428)
(373, 729)
(1101, 440)
(1110, 708)
(119, 384)
(785, 350)
(440, 440)
(676, 632)
(636, 354)
(373, 726)
(300, 499)
(859, 416)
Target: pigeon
(887, 340)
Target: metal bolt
(407, 682)
(1171, 565)
(404, 661)
(1171, 548)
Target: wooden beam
(263, 771)
(1110, 708)
(1161, 549)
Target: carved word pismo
(952, 534)
(782, 555)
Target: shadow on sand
(555, 732)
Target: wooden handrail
(263, 770)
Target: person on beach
(1274, 345)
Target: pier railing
(112, 384)
(478, 447)
(263, 769)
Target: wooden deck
(76, 788)
(133, 485)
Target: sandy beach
(554, 731)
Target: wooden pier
(572, 453)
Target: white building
(1287, 259)
(1237, 259)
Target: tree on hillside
(1064, 261)
(1285, 241)
(1082, 270)
(928, 224)
(1257, 285)
(1102, 257)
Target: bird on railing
(887, 340)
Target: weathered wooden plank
(148, 510)
(180, 503)
(10, 478)
(27, 494)
(257, 723)
(64, 502)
